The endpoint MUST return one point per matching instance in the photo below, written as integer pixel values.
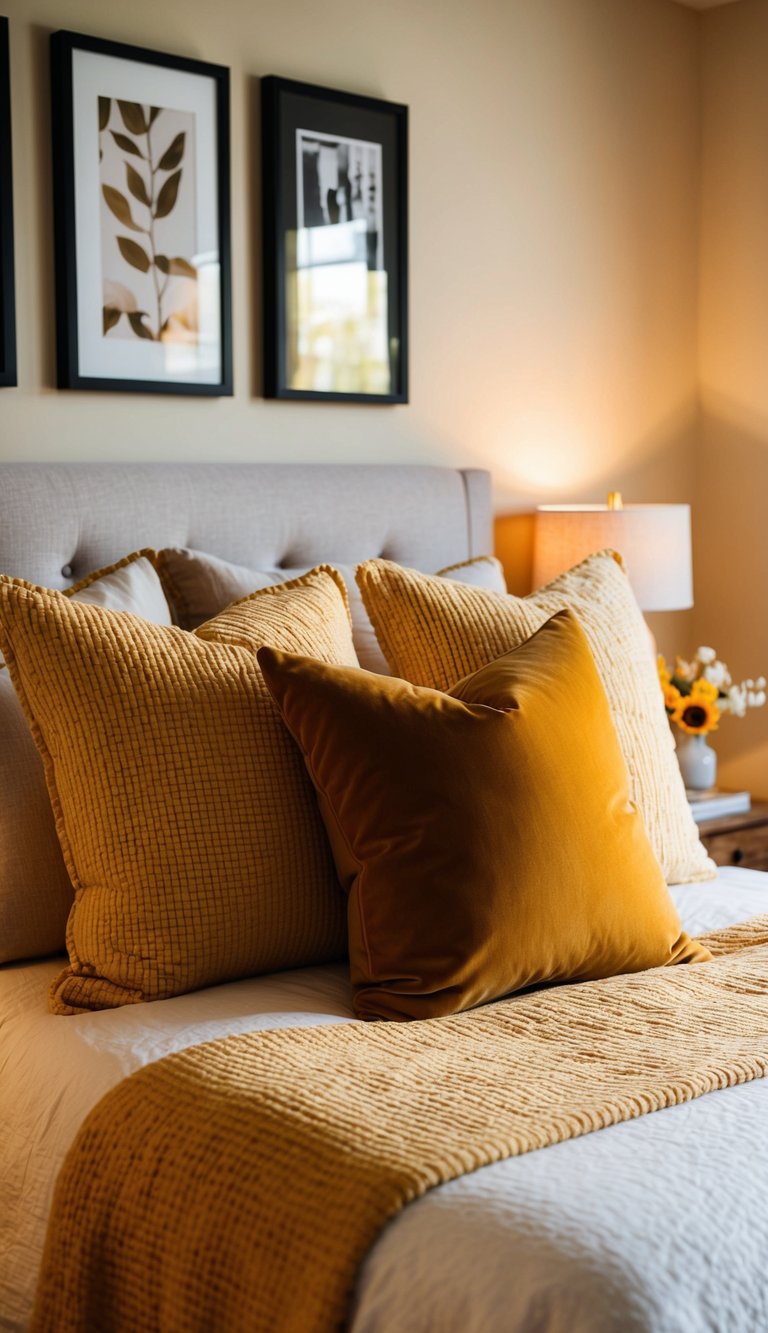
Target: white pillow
(133, 587)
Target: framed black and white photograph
(7, 286)
(335, 233)
(141, 205)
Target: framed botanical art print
(335, 234)
(7, 299)
(141, 214)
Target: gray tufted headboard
(59, 521)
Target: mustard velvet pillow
(485, 837)
(188, 824)
(435, 631)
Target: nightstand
(738, 840)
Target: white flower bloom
(732, 698)
(736, 701)
(717, 674)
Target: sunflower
(672, 696)
(704, 689)
(696, 714)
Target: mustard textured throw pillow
(35, 890)
(485, 837)
(188, 824)
(435, 631)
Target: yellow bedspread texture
(237, 1185)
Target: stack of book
(714, 804)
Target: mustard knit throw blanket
(238, 1185)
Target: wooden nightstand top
(731, 823)
(738, 840)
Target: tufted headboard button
(66, 571)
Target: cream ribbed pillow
(434, 632)
(188, 823)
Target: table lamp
(653, 539)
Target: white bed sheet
(659, 1225)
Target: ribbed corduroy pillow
(486, 837)
(35, 889)
(188, 824)
(434, 631)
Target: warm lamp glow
(654, 541)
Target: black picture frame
(140, 315)
(335, 302)
(7, 282)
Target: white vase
(698, 762)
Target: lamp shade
(653, 540)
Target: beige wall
(553, 168)
(554, 178)
(731, 493)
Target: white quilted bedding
(659, 1225)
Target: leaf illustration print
(147, 188)
(105, 107)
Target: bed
(656, 1224)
